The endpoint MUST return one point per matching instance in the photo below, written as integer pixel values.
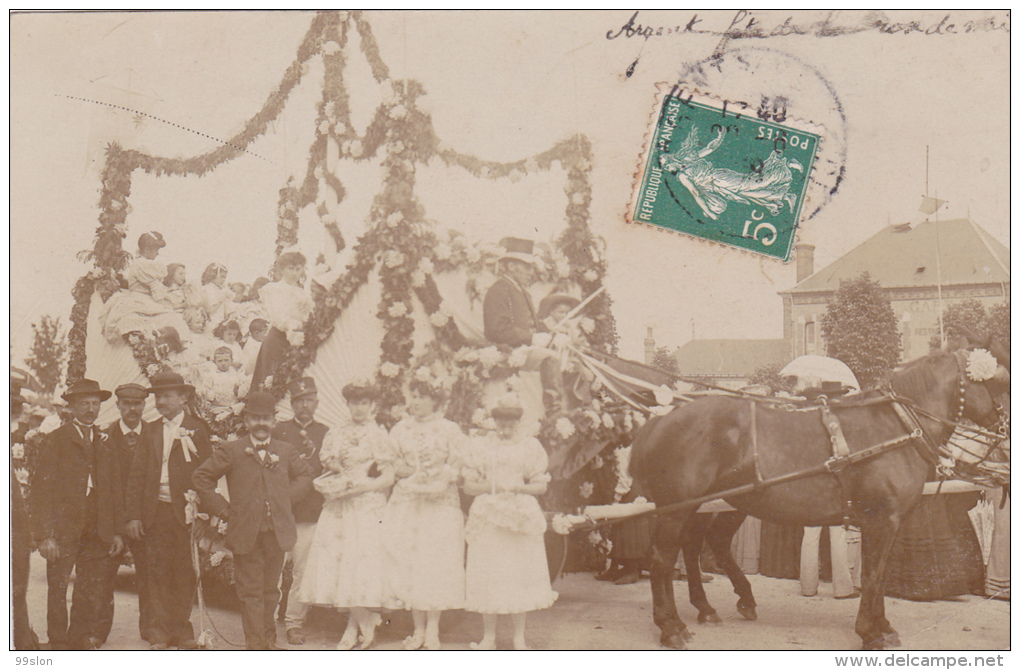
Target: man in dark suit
(306, 435)
(123, 437)
(77, 513)
(161, 470)
(264, 476)
(509, 317)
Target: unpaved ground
(596, 615)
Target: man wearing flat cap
(264, 477)
(509, 316)
(305, 434)
(124, 438)
(77, 510)
(170, 450)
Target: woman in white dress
(215, 294)
(345, 566)
(507, 571)
(287, 306)
(424, 522)
(142, 307)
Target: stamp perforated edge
(692, 94)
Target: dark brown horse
(718, 443)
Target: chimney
(649, 347)
(805, 261)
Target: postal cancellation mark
(712, 171)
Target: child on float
(143, 307)
(424, 522)
(257, 330)
(223, 385)
(228, 334)
(507, 571)
(287, 306)
(345, 567)
(215, 294)
(175, 280)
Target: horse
(716, 444)
(717, 529)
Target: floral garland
(399, 241)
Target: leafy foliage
(48, 352)
(860, 329)
(971, 314)
(769, 376)
(665, 361)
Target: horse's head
(984, 385)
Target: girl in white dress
(215, 294)
(425, 525)
(345, 562)
(507, 571)
(287, 307)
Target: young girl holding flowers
(425, 525)
(507, 572)
(344, 567)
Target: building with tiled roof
(904, 260)
(729, 362)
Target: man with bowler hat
(77, 509)
(170, 450)
(305, 434)
(123, 437)
(264, 476)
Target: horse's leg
(720, 539)
(665, 548)
(692, 541)
(877, 537)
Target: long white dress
(141, 308)
(345, 562)
(507, 570)
(424, 525)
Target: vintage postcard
(559, 330)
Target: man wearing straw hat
(510, 320)
(171, 449)
(264, 476)
(77, 515)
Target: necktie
(132, 438)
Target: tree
(48, 352)
(769, 376)
(860, 329)
(665, 361)
(972, 315)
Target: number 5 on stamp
(713, 171)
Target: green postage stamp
(715, 170)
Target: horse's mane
(918, 377)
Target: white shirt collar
(124, 430)
(174, 422)
(259, 445)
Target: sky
(501, 86)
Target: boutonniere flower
(269, 461)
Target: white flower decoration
(489, 356)
(586, 490)
(397, 310)
(607, 421)
(439, 319)
(356, 149)
(443, 251)
(389, 369)
(561, 525)
(17, 451)
(340, 128)
(394, 219)
(594, 537)
(590, 275)
(518, 357)
(587, 325)
(564, 427)
(330, 48)
(474, 255)
(393, 258)
(577, 198)
(423, 374)
(319, 172)
(49, 424)
(323, 127)
(426, 266)
(398, 112)
(981, 365)
(216, 558)
(417, 279)
(296, 338)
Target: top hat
(301, 387)
(519, 250)
(131, 391)
(151, 238)
(507, 407)
(550, 302)
(85, 387)
(260, 403)
(168, 381)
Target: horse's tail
(639, 451)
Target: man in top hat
(170, 450)
(509, 317)
(305, 434)
(77, 510)
(124, 438)
(264, 475)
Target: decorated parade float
(399, 295)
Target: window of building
(809, 337)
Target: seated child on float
(228, 335)
(223, 385)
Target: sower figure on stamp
(509, 316)
(77, 510)
(306, 434)
(161, 470)
(124, 438)
(263, 476)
